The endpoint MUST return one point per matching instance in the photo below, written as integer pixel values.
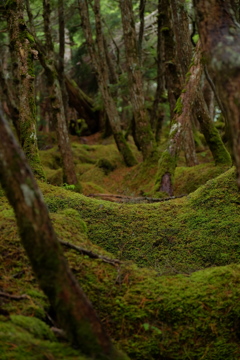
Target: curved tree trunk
(220, 37)
(74, 312)
(219, 152)
(23, 55)
(83, 104)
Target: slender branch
(13, 297)
(89, 253)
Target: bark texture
(144, 134)
(23, 55)
(220, 37)
(74, 312)
(168, 161)
(50, 67)
(98, 57)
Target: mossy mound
(150, 315)
(181, 235)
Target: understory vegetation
(174, 291)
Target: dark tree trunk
(74, 311)
(157, 114)
(23, 55)
(83, 104)
(220, 37)
(99, 61)
(144, 135)
(49, 65)
(219, 152)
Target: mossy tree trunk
(143, 131)
(221, 50)
(51, 70)
(7, 94)
(98, 57)
(83, 104)
(219, 152)
(74, 311)
(178, 53)
(23, 55)
(168, 161)
(157, 114)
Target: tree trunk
(83, 104)
(219, 152)
(220, 37)
(156, 114)
(23, 55)
(99, 61)
(143, 129)
(168, 161)
(74, 311)
(49, 65)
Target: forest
(119, 180)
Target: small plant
(69, 187)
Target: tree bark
(219, 152)
(220, 37)
(156, 114)
(144, 135)
(23, 55)
(50, 67)
(168, 161)
(74, 311)
(99, 61)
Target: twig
(89, 253)
(13, 297)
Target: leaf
(146, 326)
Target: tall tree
(99, 60)
(51, 69)
(220, 36)
(23, 54)
(75, 313)
(143, 132)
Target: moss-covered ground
(176, 293)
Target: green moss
(194, 313)
(106, 165)
(35, 326)
(166, 164)
(17, 343)
(179, 106)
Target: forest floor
(174, 294)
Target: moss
(17, 343)
(106, 165)
(166, 164)
(190, 313)
(179, 106)
(54, 177)
(33, 325)
(125, 150)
